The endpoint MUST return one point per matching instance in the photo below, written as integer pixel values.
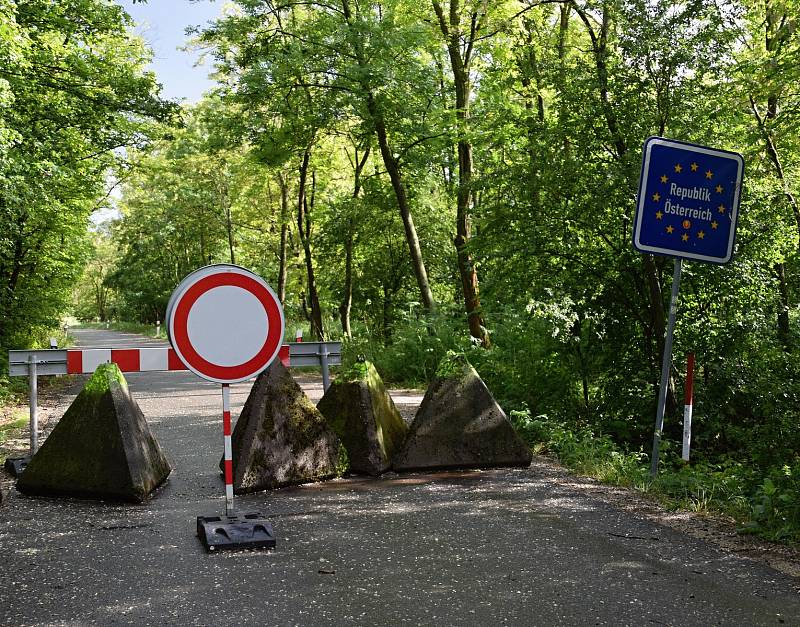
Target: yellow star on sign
(701, 234)
(664, 178)
(678, 168)
(721, 208)
(714, 224)
(685, 237)
(670, 229)
(719, 189)
(709, 174)
(656, 196)
(694, 167)
(659, 215)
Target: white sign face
(225, 323)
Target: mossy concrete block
(365, 418)
(460, 425)
(101, 448)
(280, 438)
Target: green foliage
(357, 371)
(99, 382)
(72, 91)
(419, 343)
(342, 462)
(7, 429)
(452, 364)
(581, 450)
(775, 505)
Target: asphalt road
(498, 547)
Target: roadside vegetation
(416, 178)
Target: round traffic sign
(225, 323)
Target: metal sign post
(34, 391)
(226, 325)
(666, 364)
(687, 408)
(228, 456)
(687, 208)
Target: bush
(775, 505)
(418, 344)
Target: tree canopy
(73, 93)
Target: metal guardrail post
(323, 360)
(33, 404)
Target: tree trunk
(387, 316)
(224, 197)
(460, 66)
(229, 227)
(600, 53)
(563, 111)
(304, 229)
(392, 166)
(282, 253)
(347, 295)
(773, 35)
(530, 77)
(656, 298)
(784, 335)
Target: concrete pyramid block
(460, 425)
(101, 448)
(363, 415)
(280, 438)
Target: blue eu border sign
(688, 201)
(687, 208)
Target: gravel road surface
(495, 547)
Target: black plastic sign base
(242, 531)
(16, 465)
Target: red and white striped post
(298, 335)
(226, 325)
(687, 407)
(228, 463)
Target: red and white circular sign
(225, 323)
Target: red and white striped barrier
(161, 358)
(149, 359)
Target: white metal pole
(34, 389)
(323, 358)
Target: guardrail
(49, 361)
